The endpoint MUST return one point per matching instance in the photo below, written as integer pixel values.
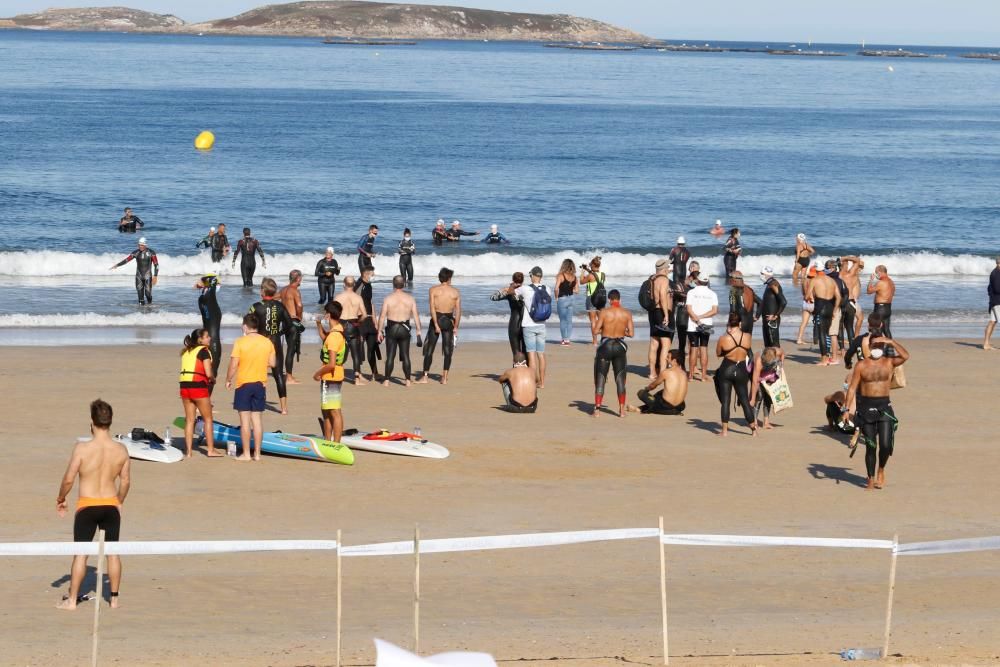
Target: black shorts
(659, 327)
(89, 519)
(697, 339)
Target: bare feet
(291, 380)
(188, 455)
(632, 408)
(385, 383)
(114, 601)
(66, 603)
(621, 412)
(212, 454)
(284, 412)
(407, 383)
(256, 458)
(880, 480)
(987, 346)
(800, 342)
(422, 380)
(245, 457)
(871, 483)
(359, 380)
(444, 380)
(768, 426)
(596, 413)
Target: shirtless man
(823, 292)
(398, 310)
(884, 289)
(870, 385)
(291, 299)
(103, 467)
(613, 325)
(520, 390)
(718, 229)
(353, 313)
(660, 333)
(850, 273)
(671, 399)
(803, 251)
(445, 304)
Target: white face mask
(406, 237)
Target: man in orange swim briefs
(103, 467)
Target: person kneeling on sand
(103, 467)
(519, 388)
(669, 400)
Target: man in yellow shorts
(331, 375)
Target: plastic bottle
(861, 654)
(231, 448)
(417, 432)
(167, 439)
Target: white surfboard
(409, 447)
(144, 450)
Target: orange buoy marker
(204, 141)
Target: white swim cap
(455, 222)
(440, 221)
(211, 229)
(767, 271)
(142, 240)
(718, 223)
(800, 236)
(329, 249)
(681, 240)
(493, 228)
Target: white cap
(681, 240)
(440, 221)
(455, 222)
(767, 271)
(211, 229)
(329, 249)
(142, 240)
(718, 223)
(800, 236)
(703, 276)
(493, 228)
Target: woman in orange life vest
(195, 379)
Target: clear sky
(939, 22)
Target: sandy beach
(594, 604)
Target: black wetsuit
(679, 257)
(366, 245)
(293, 341)
(679, 290)
(355, 343)
(249, 247)
(734, 375)
(130, 224)
(611, 353)
(369, 335)
(494, 238)
(884, 310)
(220, 242)
(397, 337)
(823, 319)
(205, 242)
(211, 319)
(655, 405)
(772, 303)
(878, 427)
(729, 251)
(327, 284)
(514, 335)
(406, 249)
(273, 322)
(439, 236)
(147, 267)
(737, 304)
(510, 405)
(447, 323)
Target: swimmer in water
(613, 325)
(445, 304)
(731, 251)
(147, 271)
(494, 237)
(327, 270)
(130, 223)
(803, 253)
(220, 244)
(439, 235)
(366, 249)
(206, 242)
(717, 229)
(396, 320)
(407, 249)
(455, 233)
(249, 247)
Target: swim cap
(681, 240)
(718, 223)
(493, 228)
(329, 249)
(767, 271)
(211, 229)
(142, 240)
(800, 236)
(455, 222)
(440, 221)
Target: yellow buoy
(204, 141)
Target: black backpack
(599, 298)
(646, 295)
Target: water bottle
(166, 438)
(231, 448)
(861, 654)
(417, 432)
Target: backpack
(599, 298)
(541, 305)
(646, 295)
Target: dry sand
(594, 604)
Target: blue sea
(571, 153)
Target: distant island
(342, 19)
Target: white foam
(485, 265)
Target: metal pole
(892, 591)
(663, 594)
(99, 597)
(340, 598)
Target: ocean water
(572, 154)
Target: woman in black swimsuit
(734, 372)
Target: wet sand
(556, 470)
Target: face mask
(877, 353)
(406, 237)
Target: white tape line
(766, 541)
(164, 548)
(949, 546)
(499, 542)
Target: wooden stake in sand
(99, 597)
(340, 593)
(663, 594)
(416, 589)
(892, 591)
